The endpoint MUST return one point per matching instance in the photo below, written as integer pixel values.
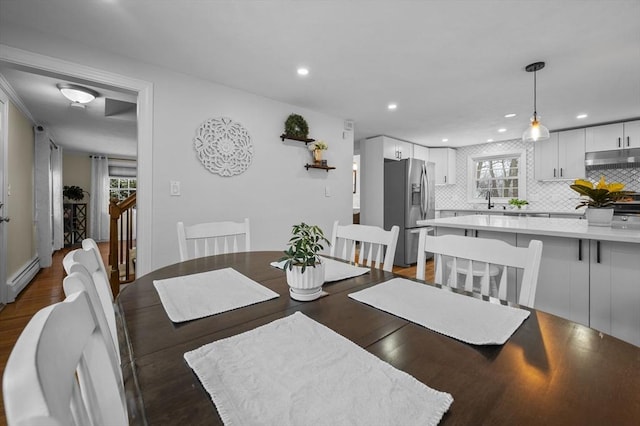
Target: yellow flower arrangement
(600, 195)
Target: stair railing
(121, 242)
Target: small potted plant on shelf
(600, 199)
(518, 203)
(316, 149)
(303, 266)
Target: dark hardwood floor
(46, 288)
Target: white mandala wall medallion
(223, 146)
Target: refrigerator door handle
(424, 195)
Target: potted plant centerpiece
(304, 268)
(600, 199)
(316, 149)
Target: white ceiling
(453, 67)
(94, 129)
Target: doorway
(47, 66)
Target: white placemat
(335, 270)
(296, 371)
(455, 315)
(199, 295)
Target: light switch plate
(175, 188)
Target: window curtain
(99, 217)
(56, 197)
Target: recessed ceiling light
(392, 106)
(581, 116)
(510, 115)
(489, 140)
(502, 130)
(303, 71)
(445, 140)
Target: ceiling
(454, 68)
(105, 126)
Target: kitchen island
(588, 274)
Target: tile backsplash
(546, 196)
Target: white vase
(599, 216)
(306, 286)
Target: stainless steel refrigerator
(409, 196)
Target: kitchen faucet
(488, 198)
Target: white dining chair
(456, 255)
(60, 373)
(89, 257)
(206, 239)
(373, 245)
(79, 279)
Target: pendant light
(536, 131)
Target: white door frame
(145, 133)
(4, 135)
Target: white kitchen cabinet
(615, 289)
(421, 152)
(397, 150)
(445, 160)
(613, 136)
(561, 156)
(563, 278)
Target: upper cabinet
(561, 156)
(613, 136)
(421, 152)
(445, 159)
(397, 150)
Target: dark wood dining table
(550, 372)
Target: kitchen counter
(513, 212)
(560, 227)
(588, 274)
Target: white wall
(372, 182)
(275, 192)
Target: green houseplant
(600, 199)
(516, 202)
(303, 265)
(73, 193)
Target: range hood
(615, 159)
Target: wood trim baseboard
(20, 279)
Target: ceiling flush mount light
(536, 131)
(510, 115)
(581, 116)
(392, 106)
(77, 94)
(502, 130)
(303, 71)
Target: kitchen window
(503, 176)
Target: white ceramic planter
(306, 286)
(599, 217)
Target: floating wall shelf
(294, 138)
(317, 166)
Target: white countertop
(508, 211)
(561, 227)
